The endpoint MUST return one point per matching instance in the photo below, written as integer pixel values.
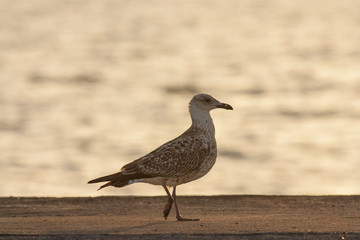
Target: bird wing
(174, 159)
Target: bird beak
(225, 106)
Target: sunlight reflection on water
(109, 86)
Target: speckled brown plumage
(181, 160)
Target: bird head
(206, 102)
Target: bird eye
(208, 100)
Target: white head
(200, 107)
(205, 102)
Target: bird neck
(202, 120)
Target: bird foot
(180, 218)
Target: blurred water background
(87, 86)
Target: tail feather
(118, 179)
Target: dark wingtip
(93, 181)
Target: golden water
(87, 86)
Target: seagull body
(183, 159)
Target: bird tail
(118, 179)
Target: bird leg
(169, 202)
(178, 216)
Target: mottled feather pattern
(192, 149)
(183, 159)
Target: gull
(181, 160)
